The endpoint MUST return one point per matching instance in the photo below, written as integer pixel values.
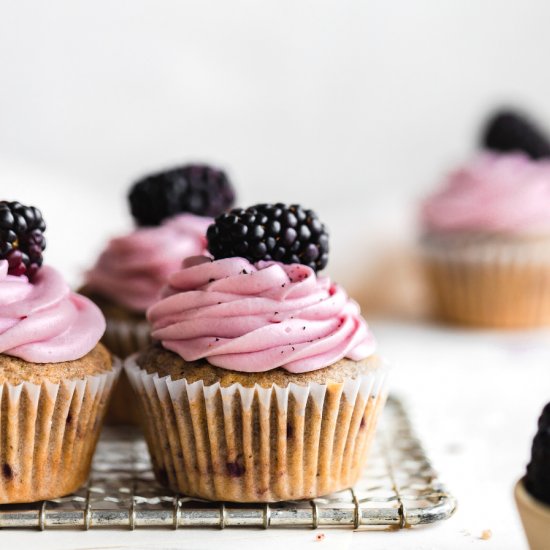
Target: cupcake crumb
(319, 537)
(486, 534)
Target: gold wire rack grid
(399, 488)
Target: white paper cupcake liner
(489, 281)
(48, 434)
(258, 444)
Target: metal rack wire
(398, 489)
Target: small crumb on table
(486, 534)
(319, 537)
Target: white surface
(475, 398)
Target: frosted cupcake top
(493, 193)
(172, 209)
(133, 268)
(254, 317)
(43, 321)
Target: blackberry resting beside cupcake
(537, 480)
(194, 188)
(286, 234)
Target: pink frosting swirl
(495, 193)
(133, 268)
(44, 322)
(253, 318)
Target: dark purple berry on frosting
(537, 480)
(195, 188)
(21, 238)
(287, 234)
(509, 131)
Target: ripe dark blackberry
(508, 131)
(195, 188)
(21, 238)
(287, 234)
(537, 480)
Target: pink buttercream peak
(257, 317)
(133, 268)
(44, 322)
(494, 192)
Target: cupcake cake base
(257, 437)
(490, 281)
(50, 420)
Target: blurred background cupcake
(486, 233)
(172, 210)
(266, 385)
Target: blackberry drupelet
(195, 188)
(21, 238)
(287, 234)
(508, 131)
(537, 480)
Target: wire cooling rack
(398, 489)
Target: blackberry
(537, 480)
(21, 238)
(195, 188)
(508, 131)
(287, 234)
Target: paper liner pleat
(258, 444)
(494, 284)
(48, 434)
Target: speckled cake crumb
(164, 363)
(14, 370)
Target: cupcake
(55, 378)
(486, 238)
(533, 491)
(263, 384)
(172, 210)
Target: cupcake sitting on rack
(486, 233)
(264, 384)
(172, 210)
(55, 378)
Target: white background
(354, 108)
